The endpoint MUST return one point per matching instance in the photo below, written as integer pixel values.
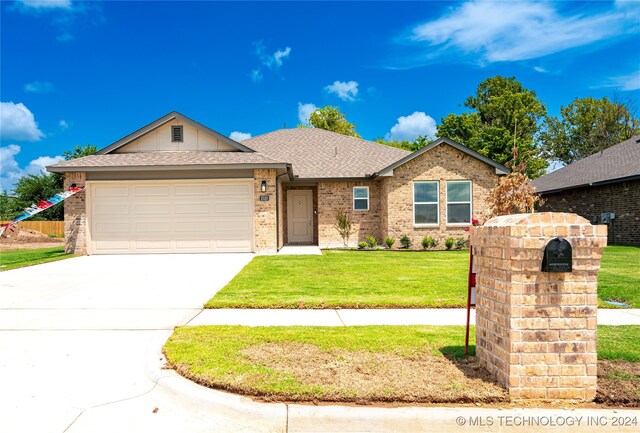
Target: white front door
(300, 216)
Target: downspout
(290, 173)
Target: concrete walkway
(349, 317)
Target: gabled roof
(167, 118)
(500, 169)
(319, 154)
(168, 160)
(614, 164)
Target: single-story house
(603, 187)
(177, 186)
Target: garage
(170, 216)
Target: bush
(344, 226)
(371, 241)
(461, 243)
(405, 241)
(448, 243)
(362, 245)
(389, 241)
(429, 242)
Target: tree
(80, 151)
(502, 111)
(514, 193)
(331, 119)
(586, 126)
(411, 146)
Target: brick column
(264, 219)
(536, 331)
(75, 216)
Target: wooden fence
(46, 227)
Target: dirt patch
(19, 238)
(619, 383)
(365, 377)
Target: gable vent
(176, 133)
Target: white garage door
(170, 216)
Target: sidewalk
(351, 317)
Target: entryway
(300, 216)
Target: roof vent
(176, 133)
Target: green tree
(331, 119)
(80, 151)
(411, 146)
(502, 113)
(586, 126)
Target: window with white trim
(360, 198)
(425, 203)
(459, 202)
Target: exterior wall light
(263, 186)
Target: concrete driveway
(80, 343)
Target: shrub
(371, 241)
(344, 225)
(362, 245)
(461, 243)
(405, 241)
(448, 243)
(429, 242)
(389, 241)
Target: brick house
(603, 188)
(176, 185)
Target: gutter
(289, 172)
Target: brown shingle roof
(616, 162)
(316, 153)
(163, 159)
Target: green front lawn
(619, 276)
(22, 258)
(390, 279)
(369, 363)
(350, 279)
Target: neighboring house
(177, 186)
(604, 188)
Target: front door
(300, 216)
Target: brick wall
(75, 216)
(536, 331)
(441, 163)
(264, 220)
(622, 198)
(338, 196)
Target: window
(176, 133)
(459, 202)
(360, 198)
(425, 203)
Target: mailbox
(557, 256)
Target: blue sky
(78, 73)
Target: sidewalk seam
(340, 318)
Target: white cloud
(624, 82)
(38, 165)
(304, 111)
(256, 75)
(45, 4)
(11, 171)
(63, 124)
(239, 136)
(347, 91)
(275, 61)
(512, 31)
(18, 123)
(412, 126)
(540, 69)
(38, 87)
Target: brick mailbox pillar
(536, 330)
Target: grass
(390, 279)
(619, 276)
(361, 364)
(21, 258)
(350, 279)
(367, 363)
